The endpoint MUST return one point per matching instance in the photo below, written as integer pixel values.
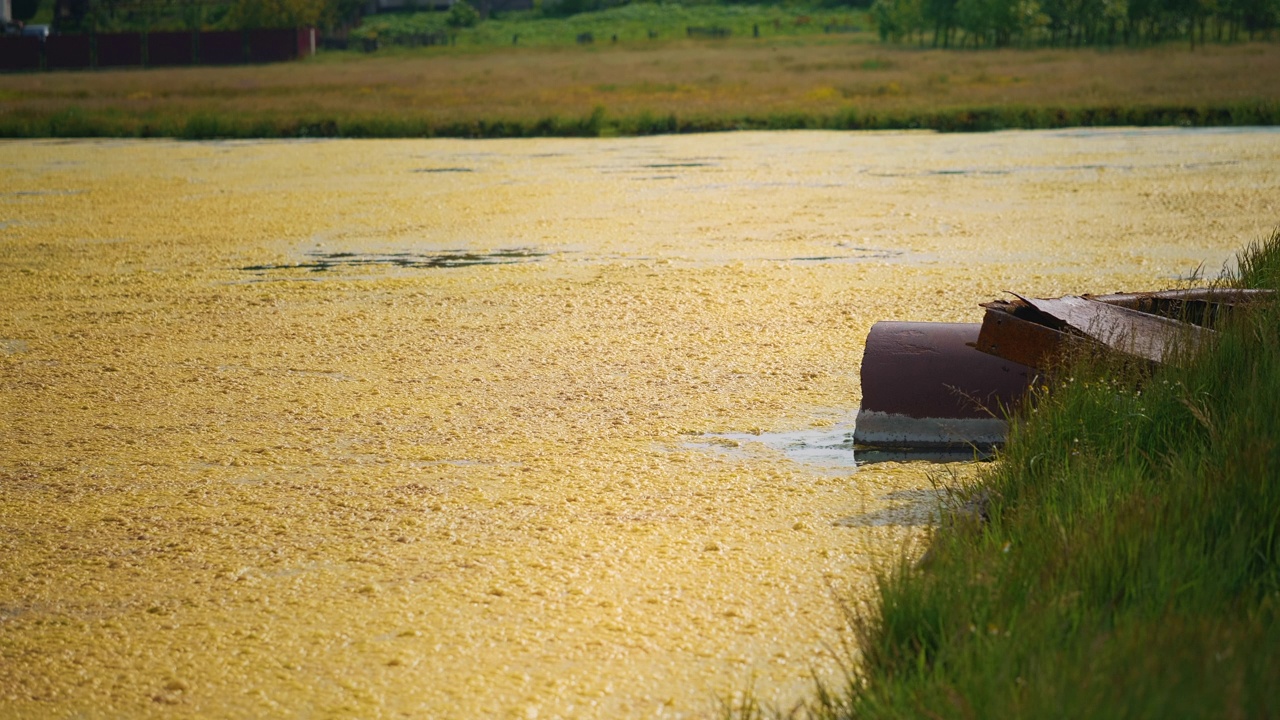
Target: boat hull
(926, 387)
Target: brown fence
(20, 53)
(169, 48)
(157, 49)
(221, 47)
(68, 52)
(122, 50)
(267, 46)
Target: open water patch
(828, 447)
(846, 253)
(913, 508)
(41, 193)
(1137, 132)
(869, 456)
(666, 168)
(1063, 168)
(444, 259)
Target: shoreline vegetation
(639, 88)
(1122, 559)
(77, 123)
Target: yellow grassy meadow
(439, 87)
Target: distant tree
(71, 15)
(1000, 23)
(461, 15)
(1114, 13)
(342, 12)
(1258, 16)
(898, 19)
(24, 10)
(941, 14)
(565, 8)
(1083, 22)
(997, 23)
(276, 13)
(193, 15)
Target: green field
(641, 23)
(794, 75)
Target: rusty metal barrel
(925, 387)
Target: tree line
(942, 23)
(1004, 23)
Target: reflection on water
(677, 165)
(823, 448)
(829, 447)
(867, 456)
(1149, 132)
(908, 507)
(444, 259)
(850, 253)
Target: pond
(509, 428)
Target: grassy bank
(655, 87)
(76, 123)
(637, 23)
(1131, 563)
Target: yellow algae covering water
(273, 443)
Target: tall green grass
(1130, 563)
(630, 23)
(197, 124)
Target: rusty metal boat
(950, 386)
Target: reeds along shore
(638, 90)
(1129, 561)
(73, 123)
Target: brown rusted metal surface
(1144, 300)
(1006, 335)
(1140, 324)
(932, 370)
(1131, 332)
(1202, 306)
(925, 386)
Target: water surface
(429, 427)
